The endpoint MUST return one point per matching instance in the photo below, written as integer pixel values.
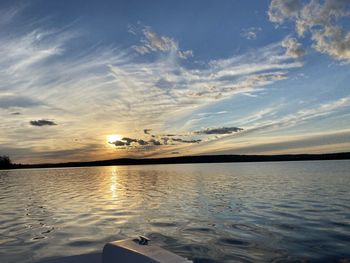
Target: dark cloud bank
(43, 122)
(223, 130)
(171, 139)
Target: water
(240, 212)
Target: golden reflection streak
(114, 182)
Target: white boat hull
(128, 251)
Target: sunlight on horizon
(113, 138)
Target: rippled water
(248, 212)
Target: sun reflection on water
(114, 182)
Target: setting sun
(113, 138)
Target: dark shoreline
(193, 159)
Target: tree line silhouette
(5, 162)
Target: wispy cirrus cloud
(261, 127)
(319, 142)
(297, 118)
(111, 85)
(7, 15)
(38, 62)
(251, 33)
(17, 101)
(152, 42)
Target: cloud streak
(223, 130)
(16, 101)
(262, 128)
(111, 81)
(185, 141)
(152, 42)
(112, 85)
(43, 122)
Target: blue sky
(86, 80)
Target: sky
(85, 80)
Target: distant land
(194, 159)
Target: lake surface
(238, 212)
